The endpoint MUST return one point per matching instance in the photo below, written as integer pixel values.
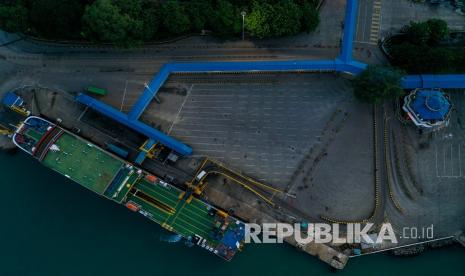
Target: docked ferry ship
(113, 178)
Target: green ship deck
(84, 163)
(174, 213)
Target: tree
(409, 57)
(310, 18)
(199, 11)
(459, 60)
(377, 83)
(430, 32)
(258, 22)
(419, 52)
(56, 19)
(150, 18)
(438, 30)
(286, 19)
(132, 8)
(175, 18)
(417, 33)
(14, 17)
(281, 18)
(133, 13)
(103, 21)
(227, 19)
(439, 60)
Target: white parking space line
(211, 151)
(209, 107)
(460, 159)
(206, 144)
(451, 157)
(437, 167)
(180, 109)
(451, 161)
(124, 95)
(207, 113)
(444, 161)
(200, 130)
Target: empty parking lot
(261, 128)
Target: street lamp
(243, 13)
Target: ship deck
(101, 172)
(174, 213)
(82, 162)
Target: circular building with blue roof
(428, 108)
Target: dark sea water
(52, 226)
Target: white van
(200, 175)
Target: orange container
(133, 207)
(151, 178)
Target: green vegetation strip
(130, 22)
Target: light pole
(243, 13)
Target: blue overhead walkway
(134, 124)
(350, 23)
(343, 63)
(433, 81)
(241, 67)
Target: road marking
(82, 114)
(180, 109)
(200, 130)
(206, 144)
(211, 150)
(363, 27)
(203, 155)
(449, 161)
(363, 42)
(444, 160)
(460, 159)
(375, 22)
(207, 113)
(437, 168)
(209, 107)
(124, 95)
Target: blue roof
(11, 99)
(430, 104)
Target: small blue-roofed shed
(11, 99)
(428, 108)
(431, 105)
